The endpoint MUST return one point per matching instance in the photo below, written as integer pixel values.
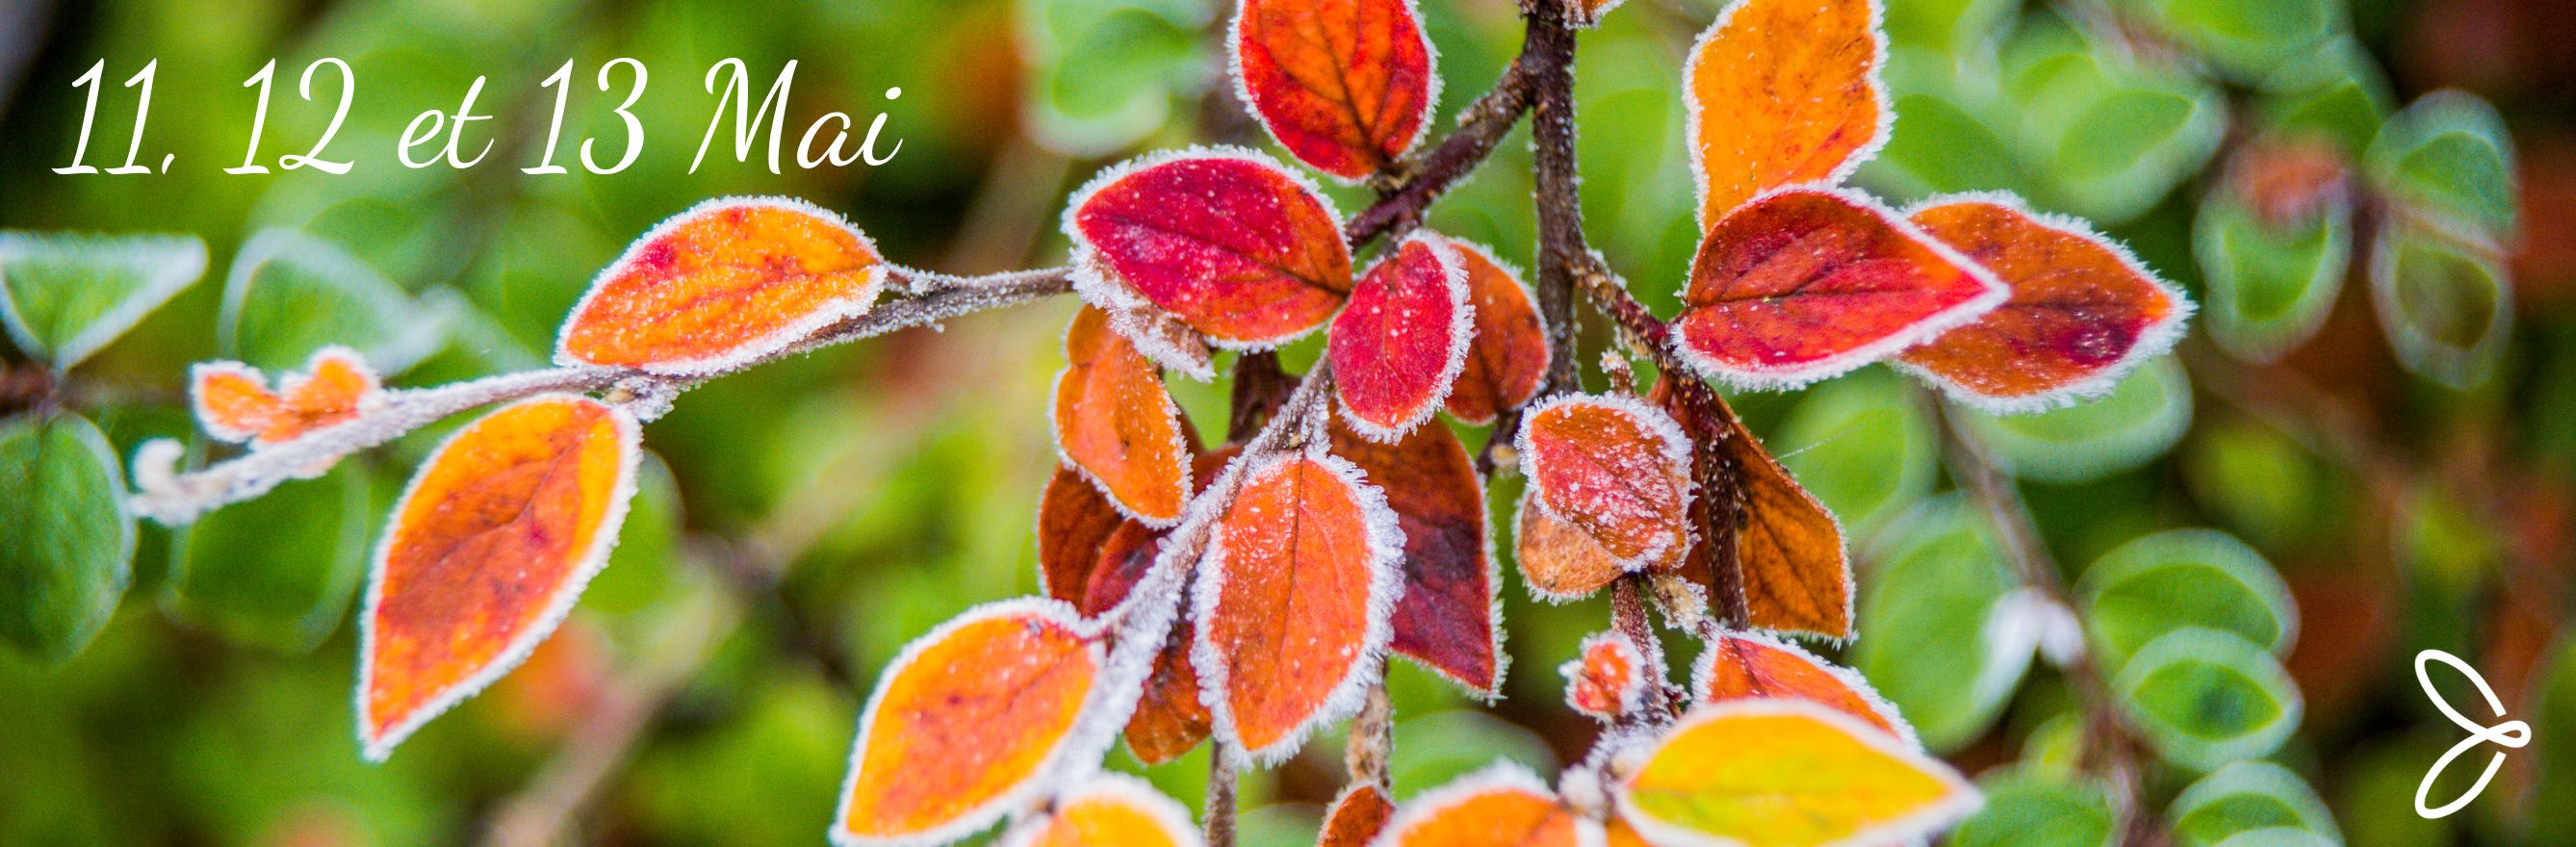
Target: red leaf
(1401, 343)
(1782, 92)
(967, 723)
(234, 402)
(1808, 283)
(728, 281)
(1170, 719)
(1293, 601)
(1116, 424)
(1792, 562)
(1616, 469)
(1743, 666)
(1608, 679)
(1074, 521)
(1226, 240)
(1507, 354)
(2083, 311)
(1345, 85)
(489, 546)
(1356, 817)
(1447, 618)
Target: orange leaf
(1075, 520)
(1292, 601)
(1507, 354)
(1743, 666)
(1782, 92)
(1806, 283)
(1227, 240)
(1614, 468)
(234, 402)
(1399, 346)
(1109, 810)
(966, 722)
(1356, 816)
(1345, 85)
(1116, 424)
(1557, 560)
(1792, 563)
(1609, 678)
(1788, 773)
(489, 546)
(1448, 617)
(1170, 719)
(1500, 806)
(724, 283)
(2083, 310)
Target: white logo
(2513, 734)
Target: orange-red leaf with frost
(1558, 560)
(725, 282)
(964, 721)
(1109, 810)
(1507, 355)
(1782, 92)
(1806, 283)
(234, 403)
(1355, 817)
(1401, 343)
(1075, 520)
(488, 548)
(1228, 241)
(1292, 600)
(1345, 85)
(1116, 423)
(1608, 679)
(1742, 666)
(1170, 720)
(2082, 310)
(1792, 564)
(1616, 469)
(1446, 617)
(1501, 806)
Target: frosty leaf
(965, 722)
(289, 293)
(1401, 343)
(1109, 810)
(1791, 557)
(1558, 560)
(1447, 618)
(1788, 773)
(2082, 311)
(1356, 817)
(64, 296)
(1226, 240)
(728, 281)
(234, 402)
(1115, 423)
(1293, 600)
(1507, 354)
(1170, 719)
(1607, 679)
(1745, 666)
(1500, 806)
(1807, 283)
(1616, 469)
(60, 585)
(1345, 85)
(1782, 92)
(489, 546)
(1074, 521)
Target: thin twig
(1422, 181)
(1549, 50)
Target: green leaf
(2270, 287)
(1863, 445)
(1947, 25)
(2247, 39)
(2448, 156)
(2446, 304)
(1438, 747)
(2248, 796)
(65, 296)
(2336, 91)
(1929, 613)
(2108, 137)
(2279, 837)
(2184, 578)
(2207, 697)
(1105, 71)
(2263, 483)
(289, 294)
(278, 571)
(2138, 421)
(68, 553)
(2023, 811)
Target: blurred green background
(2367, 445)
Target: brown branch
(1549, 50)
(1423, 180)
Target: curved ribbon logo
(2511, 734)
